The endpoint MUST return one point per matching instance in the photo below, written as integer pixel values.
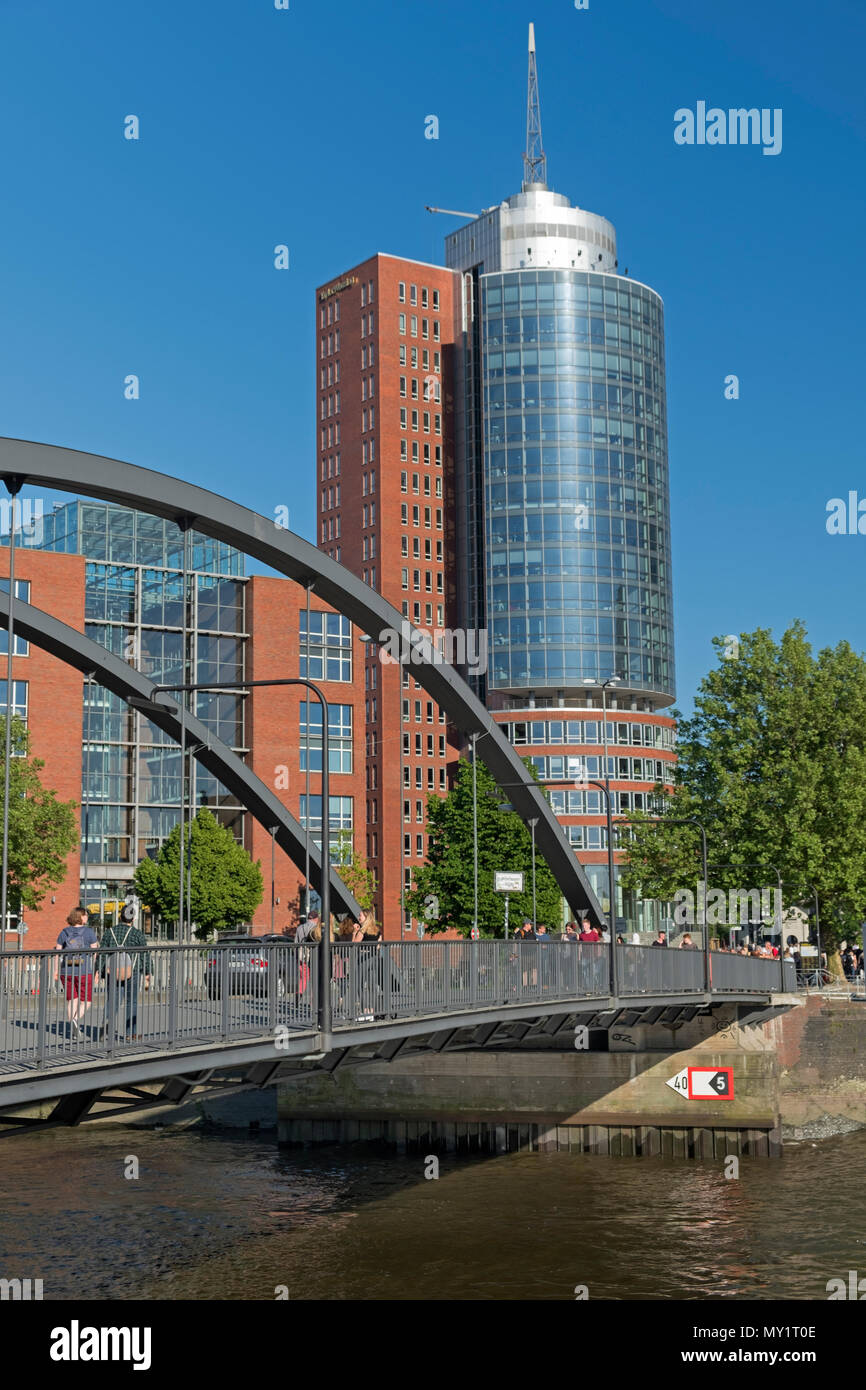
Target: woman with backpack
(76, 967)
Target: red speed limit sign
(704, 1083)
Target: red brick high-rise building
(385, 333)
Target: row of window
(431, 712)
(331, 528)
(431, 778)
(557, 767)
(329, 313)
(591, 803)
(405, 414)
(367, 324)
(416, 581)
(431, 388)
(413, 327)
(416, 484)
(589, 731)
(419, 751)
(413, 296)
(416, 457)
(330, 344)
(552, 594)
(330, 435)
(592, 561)
(331, 466)
(567, 461)
(330, 498)
(416, 515)
(428, 613)
(412, 359)
(416, 547)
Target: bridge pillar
(543, 1093)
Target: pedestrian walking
(77, 967)
(122, 955)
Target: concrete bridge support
(608, 1096)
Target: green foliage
(504, 842)
(42, 830)
(773, 763)
(226, 885)
(354, 870)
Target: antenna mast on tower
(534, 159)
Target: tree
(226, 885)
(773, 762)
(354, 870)
(504, 842)
(42, 830)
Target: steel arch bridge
(24, 462)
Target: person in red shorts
(76, 966)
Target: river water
(217, 1217)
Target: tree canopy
(504, 843)
(773, 763)
(226, 885)
(42, 830)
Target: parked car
(248, 966)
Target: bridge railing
(238, 990)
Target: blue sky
(306, 127)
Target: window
(22, 591)
(403, 417)
(424, 297)
(413, 325)
(402, 354)
(404, 578)
(415, 480)
(404, 482)
(339, 736)
(20, 696)
(340, 823)
(402, 323)
(413, 294)
(414, 419)
(414, 388)
(425, 328)
(401, 292)
(436, 299)
(402, 386)
(330, 647)
(436, 330)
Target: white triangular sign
(680, 1082)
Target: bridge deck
(204, 997)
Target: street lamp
(532, 824)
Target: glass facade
(577, 578)
(135, 607)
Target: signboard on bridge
(704, 1083)
(507, 882)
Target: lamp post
(532, 824)
(473, 739)
(611, 681)
(324, 1003)
(611, 916)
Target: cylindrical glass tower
(577, 532)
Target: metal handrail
(197, 993)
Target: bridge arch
(69, 470)
(74, 649)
